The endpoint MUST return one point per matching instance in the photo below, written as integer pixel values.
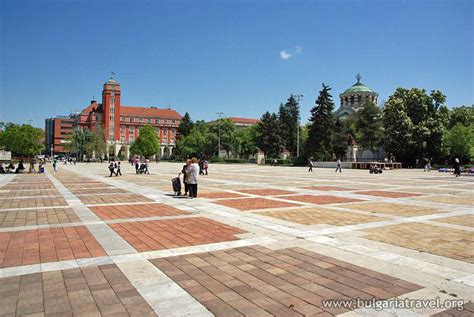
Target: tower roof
(112, 81)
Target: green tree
(227, 133)
(459, 142)
(320, 135)
(22, 140)
(87, 142)
(147, 143)
(247, 139)
(339, 139)
(268, 135)
(185, 125)
(463, 115)
(414, 124)
(289, 114)
(200, 141)
(369, 125)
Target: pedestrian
(111, 169)
(118, 170)
(55, 163)
(206, 166)
(310, 164)
(338, 167)
(201, 167)
(192, 175)
(186, 185)
(136, 161)
(147, 164)
(457, 167)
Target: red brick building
(122, 123)
(56, 131)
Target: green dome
(358, 87)
(111, 81)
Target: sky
(239, 57)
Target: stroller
(176, 182)
(375, 170)
(142, 169)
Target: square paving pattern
(322, 199)
(17, 218)
(329, 188)
(47, 245)
(135, 211)
(174, 233)
(447, 242)
(254, 203)
(395, 209)
(219, 195)
(90, 291)
(455, 200)
(313, 216)
(32, 202)
(256, 281)
(113, 199)
(467, 220)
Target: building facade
(353, 98)
(57, 130)
(241, 123)
(121, 124)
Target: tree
(268, 135)
(322, 127)
(227, 132)
(87, 142)
(247, 139)
(199, 141)
(339, 139)
(289, 116)
(186, 125)
(369, 125)
(147, 143)
(414, 124)
(22, 140)
(459, 142)
(463, 115)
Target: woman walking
(186, 185)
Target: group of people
(114, 168)
(140, 167)
(10, 168)
(191, 171)
(311, 165)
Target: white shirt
(192, 173)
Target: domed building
(355, 97)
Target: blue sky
(240, 57)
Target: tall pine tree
(186, 125)
(289, 116)
(269, 139)
(319, 145)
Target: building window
(165, 131)
(111, 138)
(112, 118)
(122, 139)
(97, 118)
(112, 128)
(132, 129)
(122, 129)
(157, 121)
(112, 110)
(122, 118)
(140, 120)
(148, 120)
(131, 119)
(173, 131)
(174, 121)
(166, 120)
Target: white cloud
(287, 55)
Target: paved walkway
(260, 241)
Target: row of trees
(23, 140)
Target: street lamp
(298, 97)
(219, 115)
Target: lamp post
(219, 115)
(298, 97)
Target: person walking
(311, 165)
(338, 167)
(117, 172)
(55, 164)
(111, 169)
(147, 164)
(183, 171)
(136, 161)
(192, 175)
(457, 167)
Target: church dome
(358, 87)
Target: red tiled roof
(149, 112)
(243, 120)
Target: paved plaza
(259, 241)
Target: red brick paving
(387, 194)
(27, 193)
(218, 195)
(321, 199)
(32, 202)
(110, 199)
(290, 282)
(265, 191)
(165, 234)
(98, 190)
(47, 245)
(17, 218)
(329, 188)
(90, 291)
(254, 203)
(135, 211)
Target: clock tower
(111, 107)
